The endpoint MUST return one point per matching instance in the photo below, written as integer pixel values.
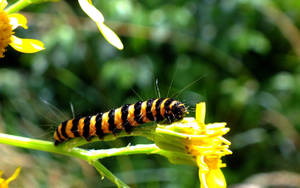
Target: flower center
(5, 32)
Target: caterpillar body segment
(124, 118)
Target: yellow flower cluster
(4, 183)
(204, 142)
(9, 22)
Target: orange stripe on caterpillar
(123, 118)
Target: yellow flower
(97, 17)
(204, 142)
(209, 151)
(9, 22)
(4, 183)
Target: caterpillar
(125, 118)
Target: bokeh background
(239, 56)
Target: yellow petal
(14, 176)
(200, 112)
(203, 168)
(3, 4)
(214, 178)
(110, 36)
(26, 45)
(91, 11)
(17, 20)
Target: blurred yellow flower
(9, 22)
(97, 17)
(4, 183)
(203, 142)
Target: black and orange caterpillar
(125, 117)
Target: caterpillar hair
(123, 118)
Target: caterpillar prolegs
(123, 118)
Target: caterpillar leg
(101, 136)
(128, 127)
(115, 131)
(170, 118)
(89, 138)
(56, 142)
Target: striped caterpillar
(125, 117)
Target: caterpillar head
(178, 111)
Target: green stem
(90, 156)
(104, 171)
(129, 150)
(19, 5)
(41, 145)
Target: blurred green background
(245, 55)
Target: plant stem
(129, 150)
(90, 156)
(41, 145)
(19, 5)
(104, 171)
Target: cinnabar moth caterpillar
(125, 117)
